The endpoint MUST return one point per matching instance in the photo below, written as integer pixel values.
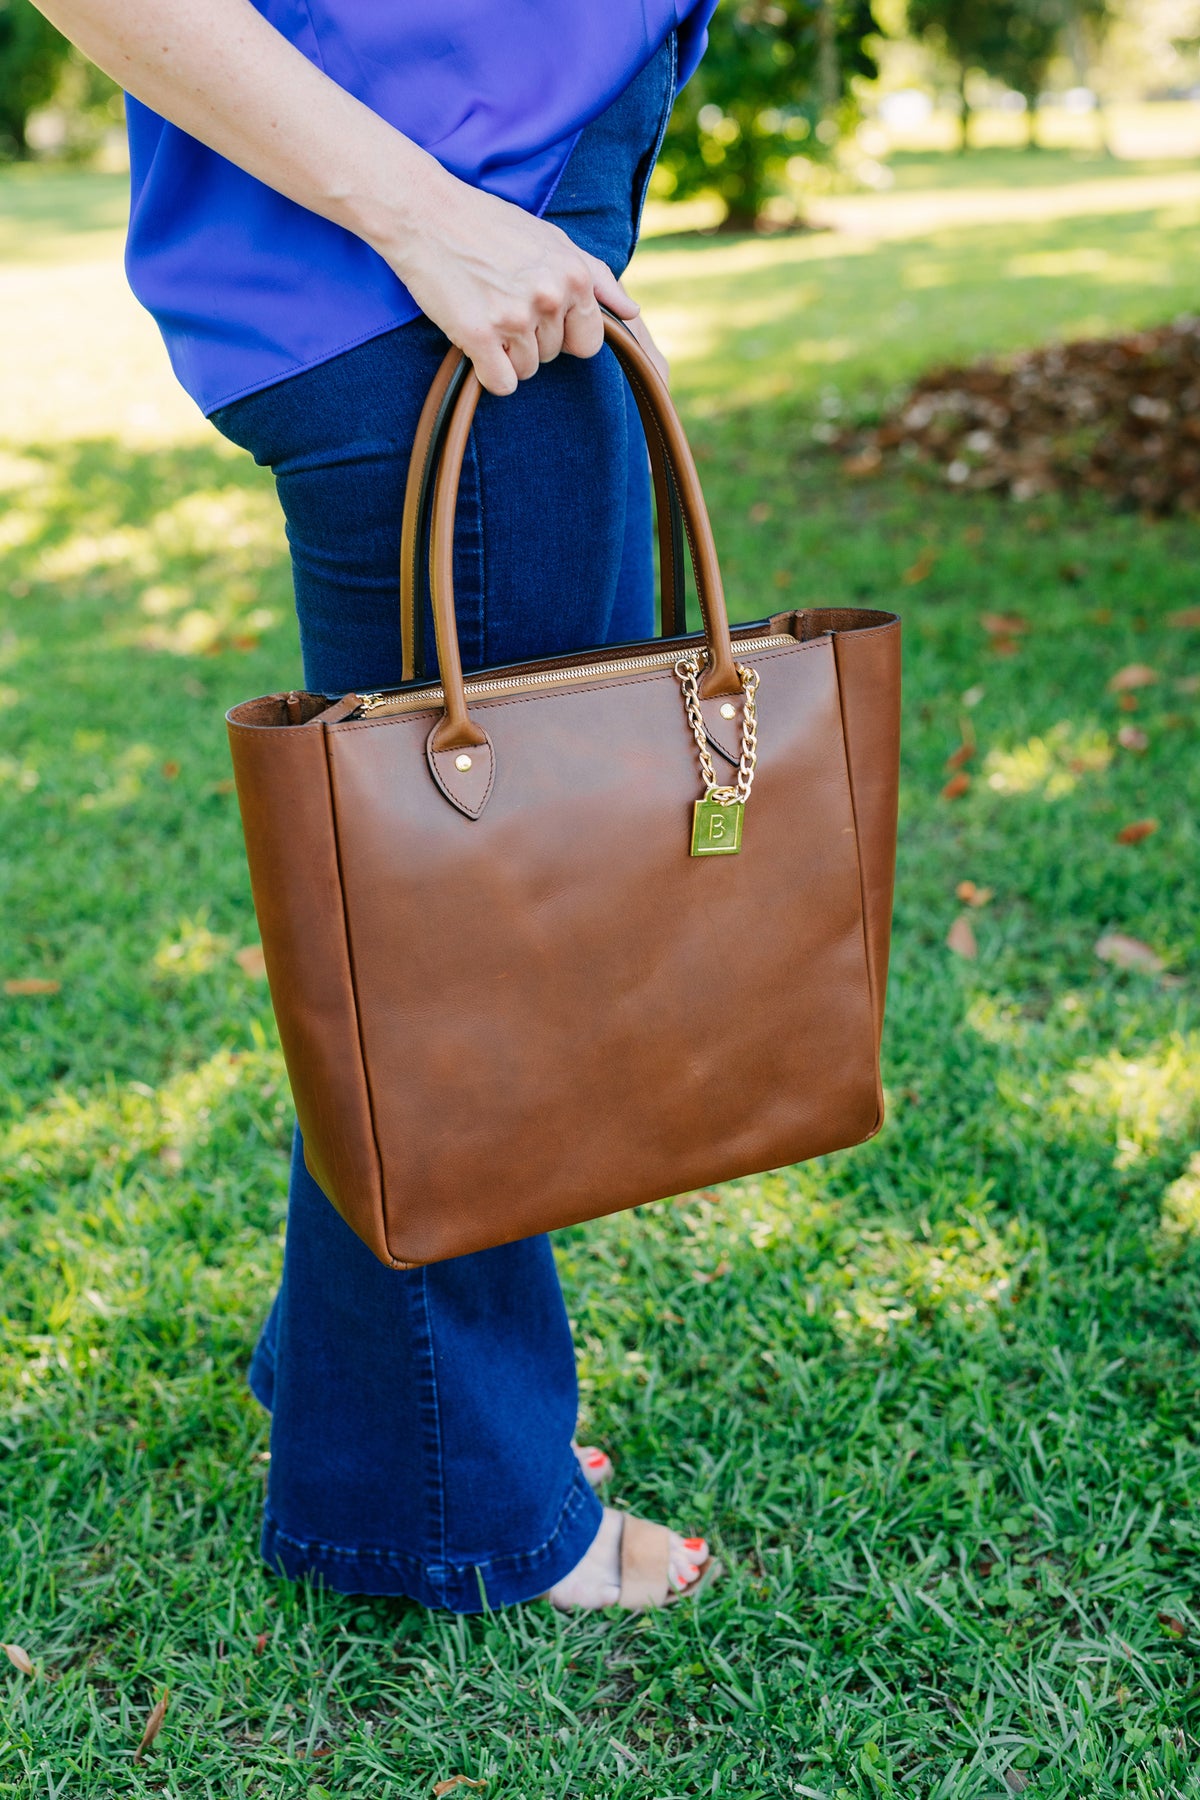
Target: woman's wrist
(392, 194)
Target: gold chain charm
(717, 818)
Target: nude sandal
(646, 1567)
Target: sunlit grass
(935, 1400)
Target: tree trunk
(828, 74)
(964, 113)
(1031, 122)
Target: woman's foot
(595, 1581)
(596, 1464)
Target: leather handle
(428, 445)
(455, 730)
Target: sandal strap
(645, 1564)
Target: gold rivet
(729, 710)
(462, 762)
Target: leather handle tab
(427, 450)
(455, 729)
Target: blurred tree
(970, 34)
(1013, 40)
(32, 54)
(771, 87)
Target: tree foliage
(768, 89)
(32, 53)
(1013, 40)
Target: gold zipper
(415, 700)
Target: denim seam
(511, 1562)
(473, 468)
(438, 1461)
(664, 121)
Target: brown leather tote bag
(569, 936)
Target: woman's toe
(596, 1464)
(688, 1557)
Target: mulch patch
(1119, 416)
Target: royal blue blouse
(249, 287)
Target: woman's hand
(510, 289)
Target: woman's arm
(509, 289)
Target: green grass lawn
(936, 1400)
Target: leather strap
(428, 445)
(455, 730)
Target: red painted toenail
(596, 1459)
(693, 1543)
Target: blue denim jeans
(422, 1419)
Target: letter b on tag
(716, 829)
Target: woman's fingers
(523, 353)
(608, 289)
(490, 362)
(550, 337)
(583, 328)
(511, 289)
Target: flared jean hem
(459, 1587)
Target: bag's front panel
(562, 1011)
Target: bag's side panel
(287, 814)
(868, 664)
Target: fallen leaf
(1127, 702)
(865, 463)
(260, 1643)
(251, 961)
(18, 1657)
(244, 640)
(32, 984)
(1005, 646)
(958, 757)
(972, 895)
(453, 1781)
(1015, 1781)
(1132, 737)
(1174, 1627)
(1187, 620)
(961, 938)
(918, 570)
(1125, 952)
(153, 1726)
(760, 512)
(1004, 625)
(706, 1275)
(1133, 675)
(956, 787)
(170, 770)
(1136, 830)
(973, 696)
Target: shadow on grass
(790, 319)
